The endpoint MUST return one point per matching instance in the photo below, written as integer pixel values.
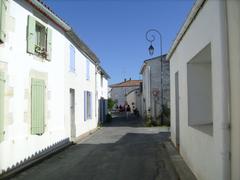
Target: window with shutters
(87, 105)
(2, 88)
(39, 39)
(87, 70)
(37, 106)
(3, 9)
(72, 59)
(101, 80)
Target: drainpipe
(224, 132)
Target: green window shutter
(3, 10)
(31, 35)
(37, 106)
(49, 44)
(2, 85)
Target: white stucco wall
(102, 92)
(206, 155)
(78, 81)
(19, 67)
(151, 76)
(146, 94)
(119, 94)
(134, 97)
(102, 89)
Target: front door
(72, 113)
(177, 110)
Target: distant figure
(136, 112)
(128, 110)
(120, 108)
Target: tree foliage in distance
(111, 104)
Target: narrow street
(121, 150)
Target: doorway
(177, 111)
(72, 113)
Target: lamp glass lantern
(151, 50)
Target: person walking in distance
(128, 110)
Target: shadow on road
(121, 150)
(120, 120)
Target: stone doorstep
(181, 168)
(84, 136)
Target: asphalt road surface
(121, 150)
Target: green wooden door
(2, 87)
(37, 106)
(3, 9)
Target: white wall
(119, 94)
(19, 66)
(134, 97)
(77, 80)
(146, 94)
(206, 155)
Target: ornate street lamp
(150, 36)
(151, 50)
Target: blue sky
(115, 29)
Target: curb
(181, 168)
(86, 135)
(45, 155)
(35, 160)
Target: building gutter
(47, 12)
(104, 73)
(226, 131)
(82, 46)
(192, 15)
(37, 4)
(142, 68)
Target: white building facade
(102, 94)
(134, 99)
(204, 95)
(120, 91)
(41, 86)
(152, 87)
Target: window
(101, 80)
(39, 39)
(87, 105)
(3, 9)
(87, 70)
(2, 87)
(72, 59)
(199, 83)
(37, 106)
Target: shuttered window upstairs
(72, 59)
(87, 70)
(2, 89)
(37, 107)
(39, 39)
(3, 9)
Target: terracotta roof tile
(128, 83)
